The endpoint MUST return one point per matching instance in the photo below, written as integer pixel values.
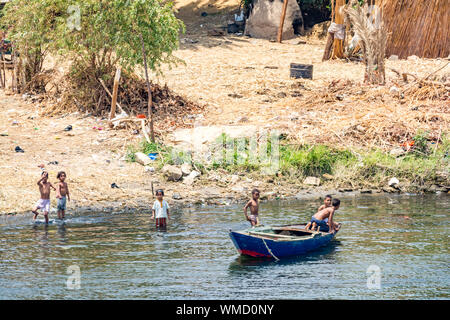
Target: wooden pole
(328, 47)
(109, 93)
(1, 75)
(4, 69)
(283, 16)
(112, 115)
(338, 46)
(150, 113)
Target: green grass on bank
(295, 162)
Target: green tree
(96, 36)
(30, 24)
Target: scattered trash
(153, 156)
(97, 128)
(36, 128)
(141, 116)
(19, 149)
(394, 90)
(4, 135)
(53, 162)
(239, 17)
(15, 123)
(393, 182)
(68, 128)
(204, 14)
(114, 186)
(149, 169)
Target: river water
(389, 247)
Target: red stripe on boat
(253, 253)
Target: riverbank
(354, 138)
(95, 157)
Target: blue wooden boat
(279, 241)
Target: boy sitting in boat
(326, 204)
(254, 207)
(324, 218)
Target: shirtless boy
(62, 191)
(44, 202)
(324, 218)
(254, 207)
(326, 204)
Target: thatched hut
(419, 27)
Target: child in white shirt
(160, 209)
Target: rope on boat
(268, 249)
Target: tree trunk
(149, 90)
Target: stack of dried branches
(169, 109)
(373, 116)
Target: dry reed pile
(418, 28)
(347, 114)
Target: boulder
(176, 196)
(191, 177)
(234, 178)
(312, 181)
(172, 173)
(264, 19)
(397, 152)
(186, 169)
(142, 158)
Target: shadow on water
(241, 263)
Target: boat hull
(260, 246)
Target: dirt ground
(242, 82)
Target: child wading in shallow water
(253, 204)
(326, 204)
(160, 210)
(44, 202)
(62, 191)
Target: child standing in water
(44, 202)
(326, 204)
(160, 210)
(62, 191)
(253, 204)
